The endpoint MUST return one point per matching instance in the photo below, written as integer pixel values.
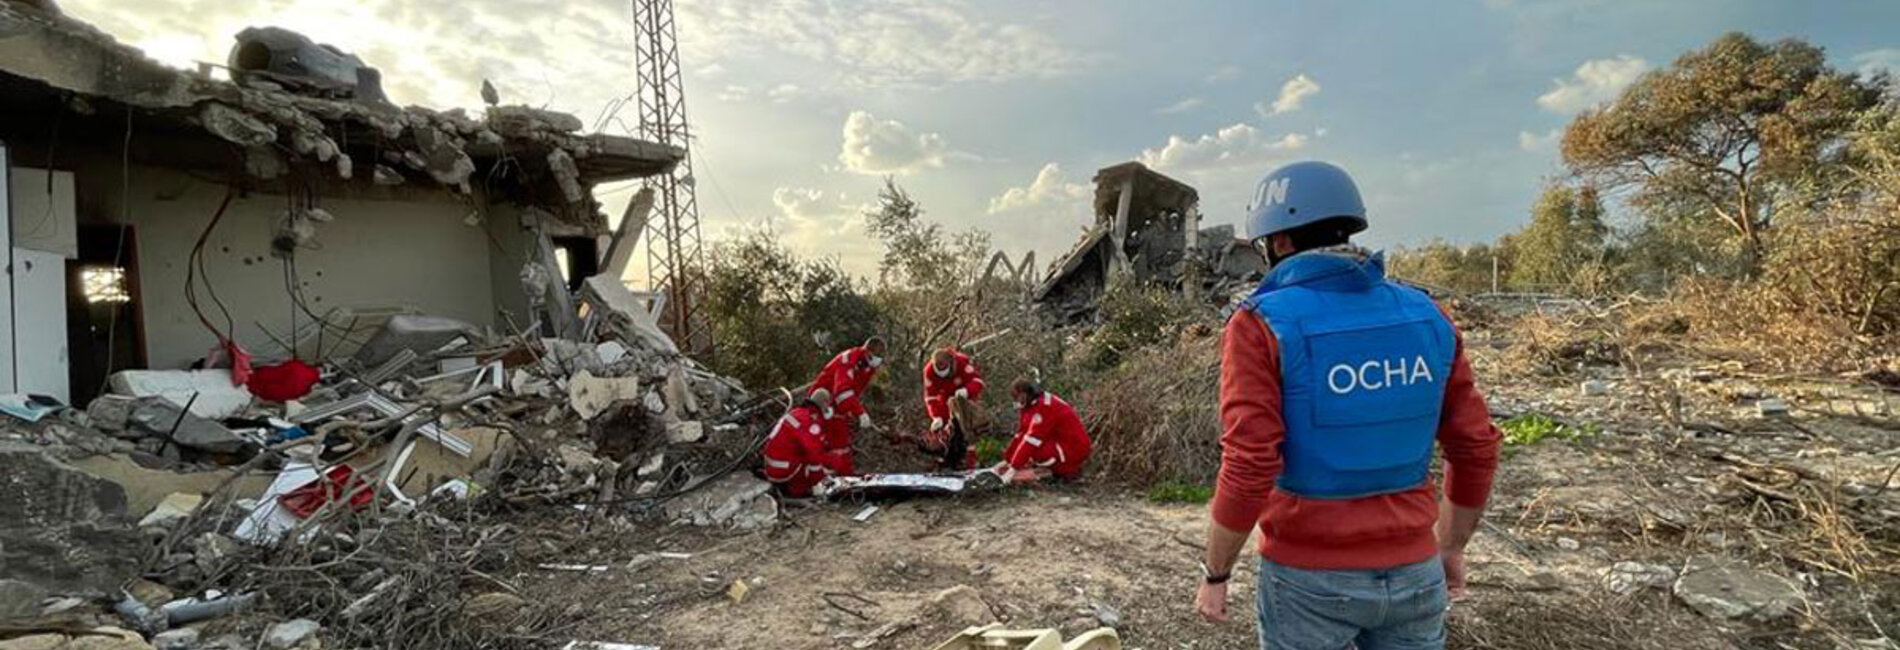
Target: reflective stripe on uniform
(1033, 440)
(777, 464)
(846, 395)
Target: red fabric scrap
(307, 499)
(283, 382)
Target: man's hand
(1211, 601)
(1454, 573)
(864, 421)
(963, 393)
(936, 424)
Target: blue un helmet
(1303, 193)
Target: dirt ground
(1806, 497)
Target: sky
(995, 114)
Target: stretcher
(880, 486)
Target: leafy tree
(777, 318)
(1448, 266)
(917, 253)
(1724, 129)
(1564, 238)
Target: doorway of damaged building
(72, 309)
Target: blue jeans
(1401, 608)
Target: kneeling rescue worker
(795, 456)
(952, 385)
(1335, 384)
(846, 376)
(1049, 438)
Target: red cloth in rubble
(330, 487)
(283, 382)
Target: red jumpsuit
(846, 376)
(938, 389)
(1049, 435)
(795, 459)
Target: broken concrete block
(175, 508)
(215, 396)
(63, 529)
(625, 314)
(652, 466)
(739, 501)
(590, 395)
(1626, 578)
(386, 176)
(160, 418)
(680, 401)
(211, 550)
(1772, 407)
(566, 174)
(107, 638)
(35, 642)
(19, 599)
(109, 412)
(235, 126)
(179, 639)
(654, 403)
(1724, 589)
(421, 334)
(1593, 388)
(289, 634)
(686, 432)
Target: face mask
(827, 412)
(943, 371)
(874, 362)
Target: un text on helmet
(1376, 374)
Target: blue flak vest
(1363, 367)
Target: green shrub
(1531, 428)
(1180, 492)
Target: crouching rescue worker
(952, 386)
(795, 457)
(1335, 384)
(845, 377)
(1050, 440)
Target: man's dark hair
(1319, 234)
(1026, 387)
(874, 342)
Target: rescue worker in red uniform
(845, 377)
(795, 457)
(952, 385)
(1049, 439)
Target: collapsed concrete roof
(52, 64)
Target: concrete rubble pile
(139, 511)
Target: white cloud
(785, 92)
(1876, 61)
(818, 223)
(878, 146)
(1533, 142)
(1186, 104)
(1594, 82)
(1051, 188)
(734, 94)
(1292, 94)
(1225, 73)
(878, 43)
(1232, 146)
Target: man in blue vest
(1335, 385)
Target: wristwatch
(1208, 576)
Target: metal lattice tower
(672, 233)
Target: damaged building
(154, 213)
(1148, 229)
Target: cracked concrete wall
(403, 248)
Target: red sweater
(939, 389)
(1366, 533)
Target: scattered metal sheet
(378, 403)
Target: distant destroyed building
(1148, 229)
(146, 205)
